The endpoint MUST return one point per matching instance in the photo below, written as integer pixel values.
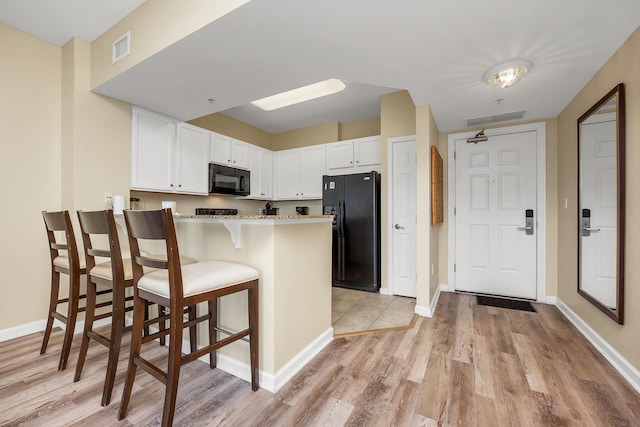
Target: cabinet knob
(357, 161)
(229, 160)
(171, 185)
(234, 161)
(350, 162)
(180, 185)
(296, 194)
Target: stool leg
(53, 305)
(193, 329)
(88, 327)
(72, 314)
(213, 324)
(117, 326)
(163, 324)
(173, 368)
(136, 344)
(254, 346)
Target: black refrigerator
(355, 202)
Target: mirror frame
(617, 314)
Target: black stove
(215, 211)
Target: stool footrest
(99, 338)
(215, 346)
(150, 369)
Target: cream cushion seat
(199, 278)
(104, 270)
(63, 261)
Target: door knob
(398, 227)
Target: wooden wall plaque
(437, 198)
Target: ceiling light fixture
(301, 94)
(508, 74)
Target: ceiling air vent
(487, 120)
(121, 48)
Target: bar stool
(178, 287)
(100, 238)
(67, 263)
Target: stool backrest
(154, 225)
(61, 222)
(101, 223)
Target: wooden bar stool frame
(61, 222)
(159, 225)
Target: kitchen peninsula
(293, 257)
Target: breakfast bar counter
(293, 256)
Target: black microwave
(228, 180)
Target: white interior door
(598, 196)
(403, 216)
(495, 186)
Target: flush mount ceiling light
(508, 74)
(301, 94)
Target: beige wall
(30, 164)
(551, 126)
(397, 118)
(434, 238)
(96, 136)
(227, 125)
(624, 66)
(320, 134)
(360, 129)
(423, 211)
(154, 25)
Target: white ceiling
(437, 49)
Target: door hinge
(454, 268)
(454, 211)
(454, 155)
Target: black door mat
(505, 303)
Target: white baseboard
(429, 311)
(271, 382)
(385, 291)
(622, 365)
(446, 288)
(40, 325)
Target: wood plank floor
(468, 366)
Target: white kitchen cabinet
(229, 151)
(192, 159)
(299, 173)
(152, 151)
(261, 173)
(287, 177)
(354, 156)
(167, 156)
(312, 167)
(340, 155)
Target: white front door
(599, 206)
(403, 217)
(495, 187)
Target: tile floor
(357, 311)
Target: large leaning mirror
(601, 206)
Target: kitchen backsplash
(187, 204)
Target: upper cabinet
(299, 173)
(230, 152)
(192, 159)
(168, 156)
(261, 173)
(354, 156)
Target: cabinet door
(266, 175)
(192, 159)
(152, 146)
(220, 149)
(288, 174)
(340, 155)
(256, 172)
(367, 151)
(312, 167)
(240, 154)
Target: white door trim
(541, 231)
(390, 142)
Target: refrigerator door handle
(341, 240)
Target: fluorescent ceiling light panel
(301, 94)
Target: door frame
(390, 143)
(541, 205)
